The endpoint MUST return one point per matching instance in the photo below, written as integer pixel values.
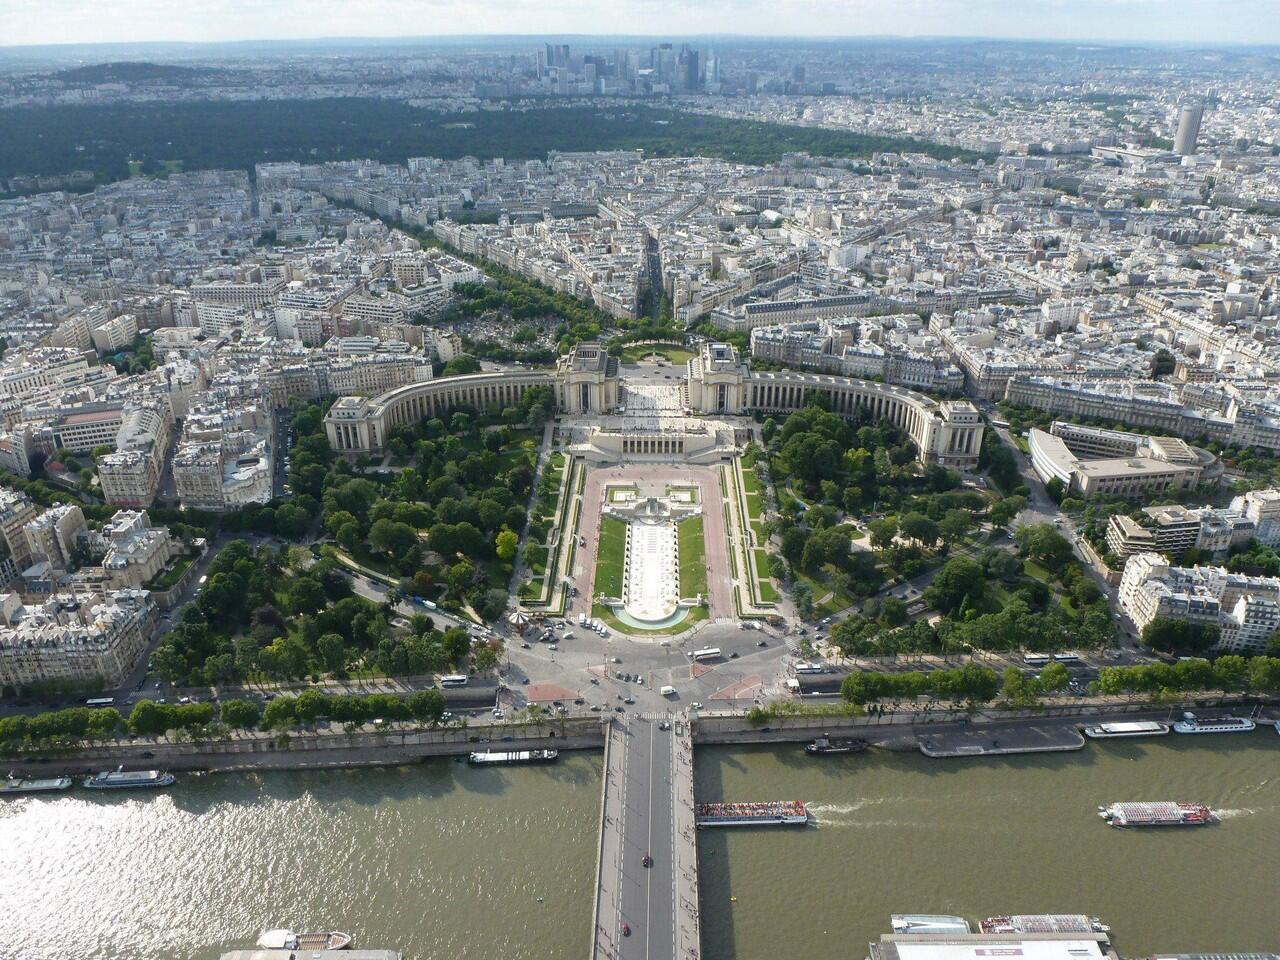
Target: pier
(647, 810)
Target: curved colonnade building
(587, 381)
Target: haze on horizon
(30, 22)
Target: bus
(100, 702)
(454, 680)
(1036, 659)
(710, 653)
(999, 424)
(1067, 657)
(803, 667)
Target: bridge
(647, 811)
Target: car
(664, 725)
(446, 717)
(647, 861)
(147, 754)
(157, 685)
(620, 709)
(524, 681)
(524, 645)
(579, 701)
(596, 708)
(553, 646)
(626, 929)
(697, 705)
(733, 654)
(761, 643)
(639, 679)
(628, 699)
(617, 659)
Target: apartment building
(84, 640)
(16, 511)
(53, 535)
(1246, 609)
(136, 551)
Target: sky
(24, 22)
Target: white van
(667, 691)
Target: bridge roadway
(647, 809)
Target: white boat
(508, 757)
(1127, 728)
(1190, 723)
(16, 785)
(930, 923)
(121, 779)
(288, 940)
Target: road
(647, 912)
(583, 667)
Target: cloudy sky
(87, 21)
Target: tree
(148, 719)
(392, 537)
(959, 578)
(426, 706)
(918, 527)
(1053, 678)
(240, 714)
(1042, 542)
(883, 532)
(505, 545)
(955, 525)
(485, 659)
(1171, 635)
(893, 612)
(332, 651)
(279, 713)
(1005, 509)
(461, 365)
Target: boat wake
(1231, 814)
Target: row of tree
(68, 728)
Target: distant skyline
(30, 22)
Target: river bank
(937, 735)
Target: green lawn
(639, 352)
(820, 587)
(167, 578)
(750, 482)
(693, 558)
(768, 593)
(535, 554)
(1033, 569)
(610, 557)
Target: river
(444, 860)
(900, 833)
(437, 860)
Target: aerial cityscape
(638, 483)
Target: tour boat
(288, 940)
(121, 779)
(1190, 723)
(768, 813)
(1127, 728)
(1159, 813)
(1043, 923)
(16, 785)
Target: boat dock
(646, 897)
